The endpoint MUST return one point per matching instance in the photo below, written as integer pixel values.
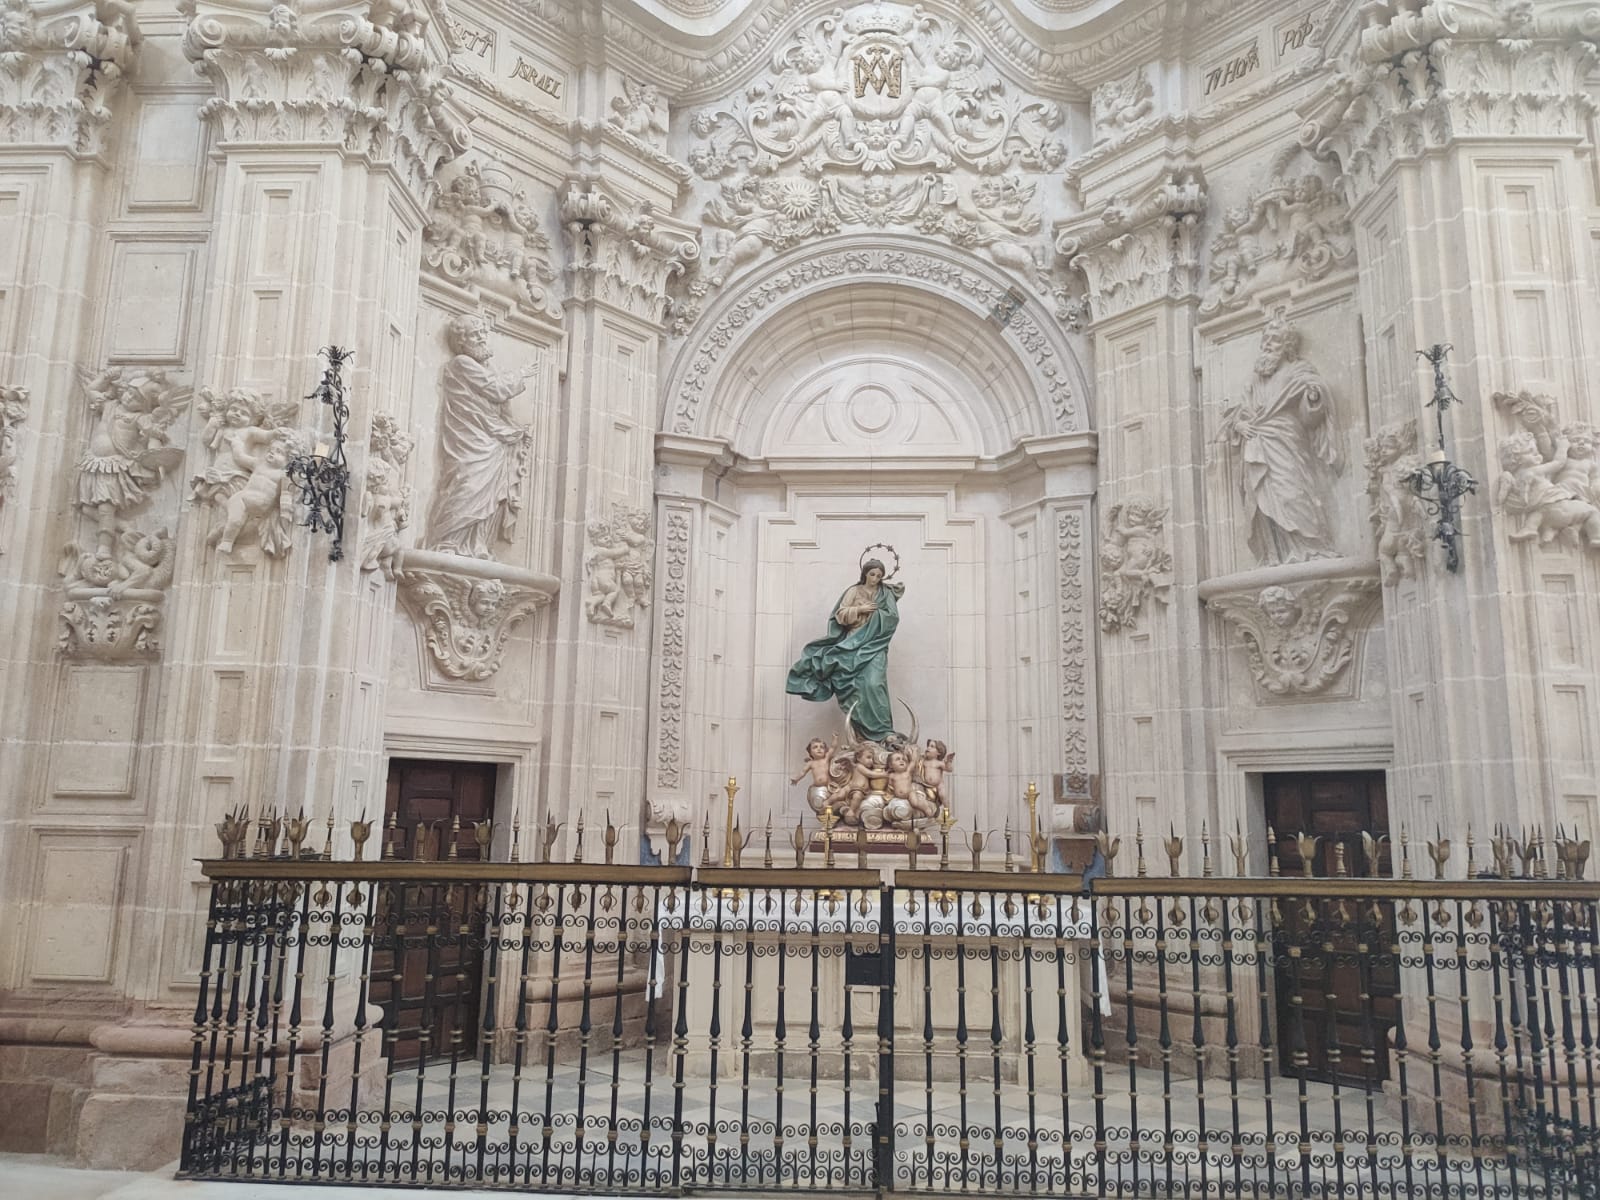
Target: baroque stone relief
(116, 576)
(640, 112)
(618, 576)
(246, 482)
(1119, 107)
(1397, 516)
(466, 620)
(1285, 447)
(1134, 561)
(623, 253)
(483, 453)
(13, 412)
(386, 500)
(1549, 483)
(883, 117)
(673, 670)
(1294, 230)
(482, 232)
(1299, 639)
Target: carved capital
(1300, 639)
(622, 253)
(467, 608)
(1139, 248)
(1419, 79)
(368, 82)
(62, 65)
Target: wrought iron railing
(594, 1027)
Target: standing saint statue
(483, 454)
(851, 664)
(1289, 456)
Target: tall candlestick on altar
(732, 788)
(1034, 832)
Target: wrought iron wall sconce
(324, 476)
(1438, 482)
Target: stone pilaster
(622, 252)
(1466, 141)
(1138, 254)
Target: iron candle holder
(324, 476)
(1439, 483)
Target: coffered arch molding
(907, 296)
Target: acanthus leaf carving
(386, 499)
(618, 574)
(1299, 640)
(1549, 483)
(881, 118)
(674, 625)
(482, 232)
(1291, 231)
(467, 609)
(1141, 247)
(62, 66)
(115, 601)
(246, 482)
(1135, 564)
(623, 253)
(1397, 516)
(13, 412)
(372, 84)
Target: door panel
(430, 991)
(1320, 989)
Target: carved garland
(1074, 656)
(674, 624)
(1019, 325)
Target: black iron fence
(584, 1027)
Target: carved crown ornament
(63, 63)
(881, 116)
(372, 84)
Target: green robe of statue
(852, 665)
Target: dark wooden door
(430, 984)
(1332, 995)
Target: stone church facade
(1103, 318)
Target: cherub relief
(1134, 561)
(129, 450)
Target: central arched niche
(844, 411)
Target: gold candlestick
(732, 788)
(946, 823)
(1034, 832)
(829, 819)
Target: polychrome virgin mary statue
(851, 664)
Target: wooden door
(430, 986)
(1337, 809)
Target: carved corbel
(1300, 638)
(466, 608)
(63, 64)
(1141, 247)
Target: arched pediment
(955, 318)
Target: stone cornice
(1413, 81)
(61, 64)
(366, 77)
(1139, 248)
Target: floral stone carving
(13, 412)
(483, 232)
(618, 575)
(1549, 482)
(467, 609)
(1397, 516)
(247, 482)
(1299, 640)
(113, 610)
(1134, 562)
(386, 503)
(1294, 230)
(884, 118)
(1288, 457)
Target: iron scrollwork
(324, 476)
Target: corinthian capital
(1140, 247)
(367, 77)
(623, 253)
(61, 63)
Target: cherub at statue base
(877, 785)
